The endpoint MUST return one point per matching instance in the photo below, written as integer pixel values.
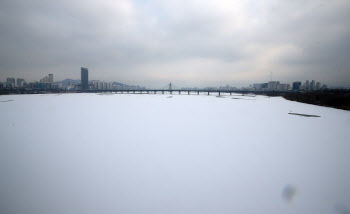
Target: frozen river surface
(91, 153)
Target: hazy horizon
(189, 43)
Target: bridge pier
(219, 93)
(197, 92)
(208, 92)
(188, 92)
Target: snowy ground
(90, 153)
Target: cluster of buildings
(84, 84)
(47, 79)
(47, 82)
(271, 86)
(309, 86)
(277, 86)
(13, 83)
(222, 88)
(101, 85)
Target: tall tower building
(84, 78)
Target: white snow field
(140, 154)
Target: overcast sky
(187, 42)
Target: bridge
(172, 89)
(183, 91)
(147, 91)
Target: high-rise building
(283, 87)
(258, 86)
(84, 78)
(272, 85)
(51, 78)
(296, 85)
(45, 79)
(312, 85)
(20, 82)
(95, 84)
(307, 87)
(10, 82)
(110, 86)
(318, 86)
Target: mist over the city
(193, 43)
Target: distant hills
(67, 81)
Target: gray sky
(190, 43)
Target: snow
(132, 153)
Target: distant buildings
(312, 86)
(283, 87)
(51, 78)
(10, 82)
(100, 85)
(84, 78)
(260, 86)
(189, 88)
(227, 88)
(318, 86)
(20, 82)
(84, 84)
(45, 83)
(67, 84)
(272, 85)
(276, 85)
(296, 86)
(47, 79)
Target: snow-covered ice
(120, 153)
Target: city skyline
(49, 79)
(192, 43)
(85, 84)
